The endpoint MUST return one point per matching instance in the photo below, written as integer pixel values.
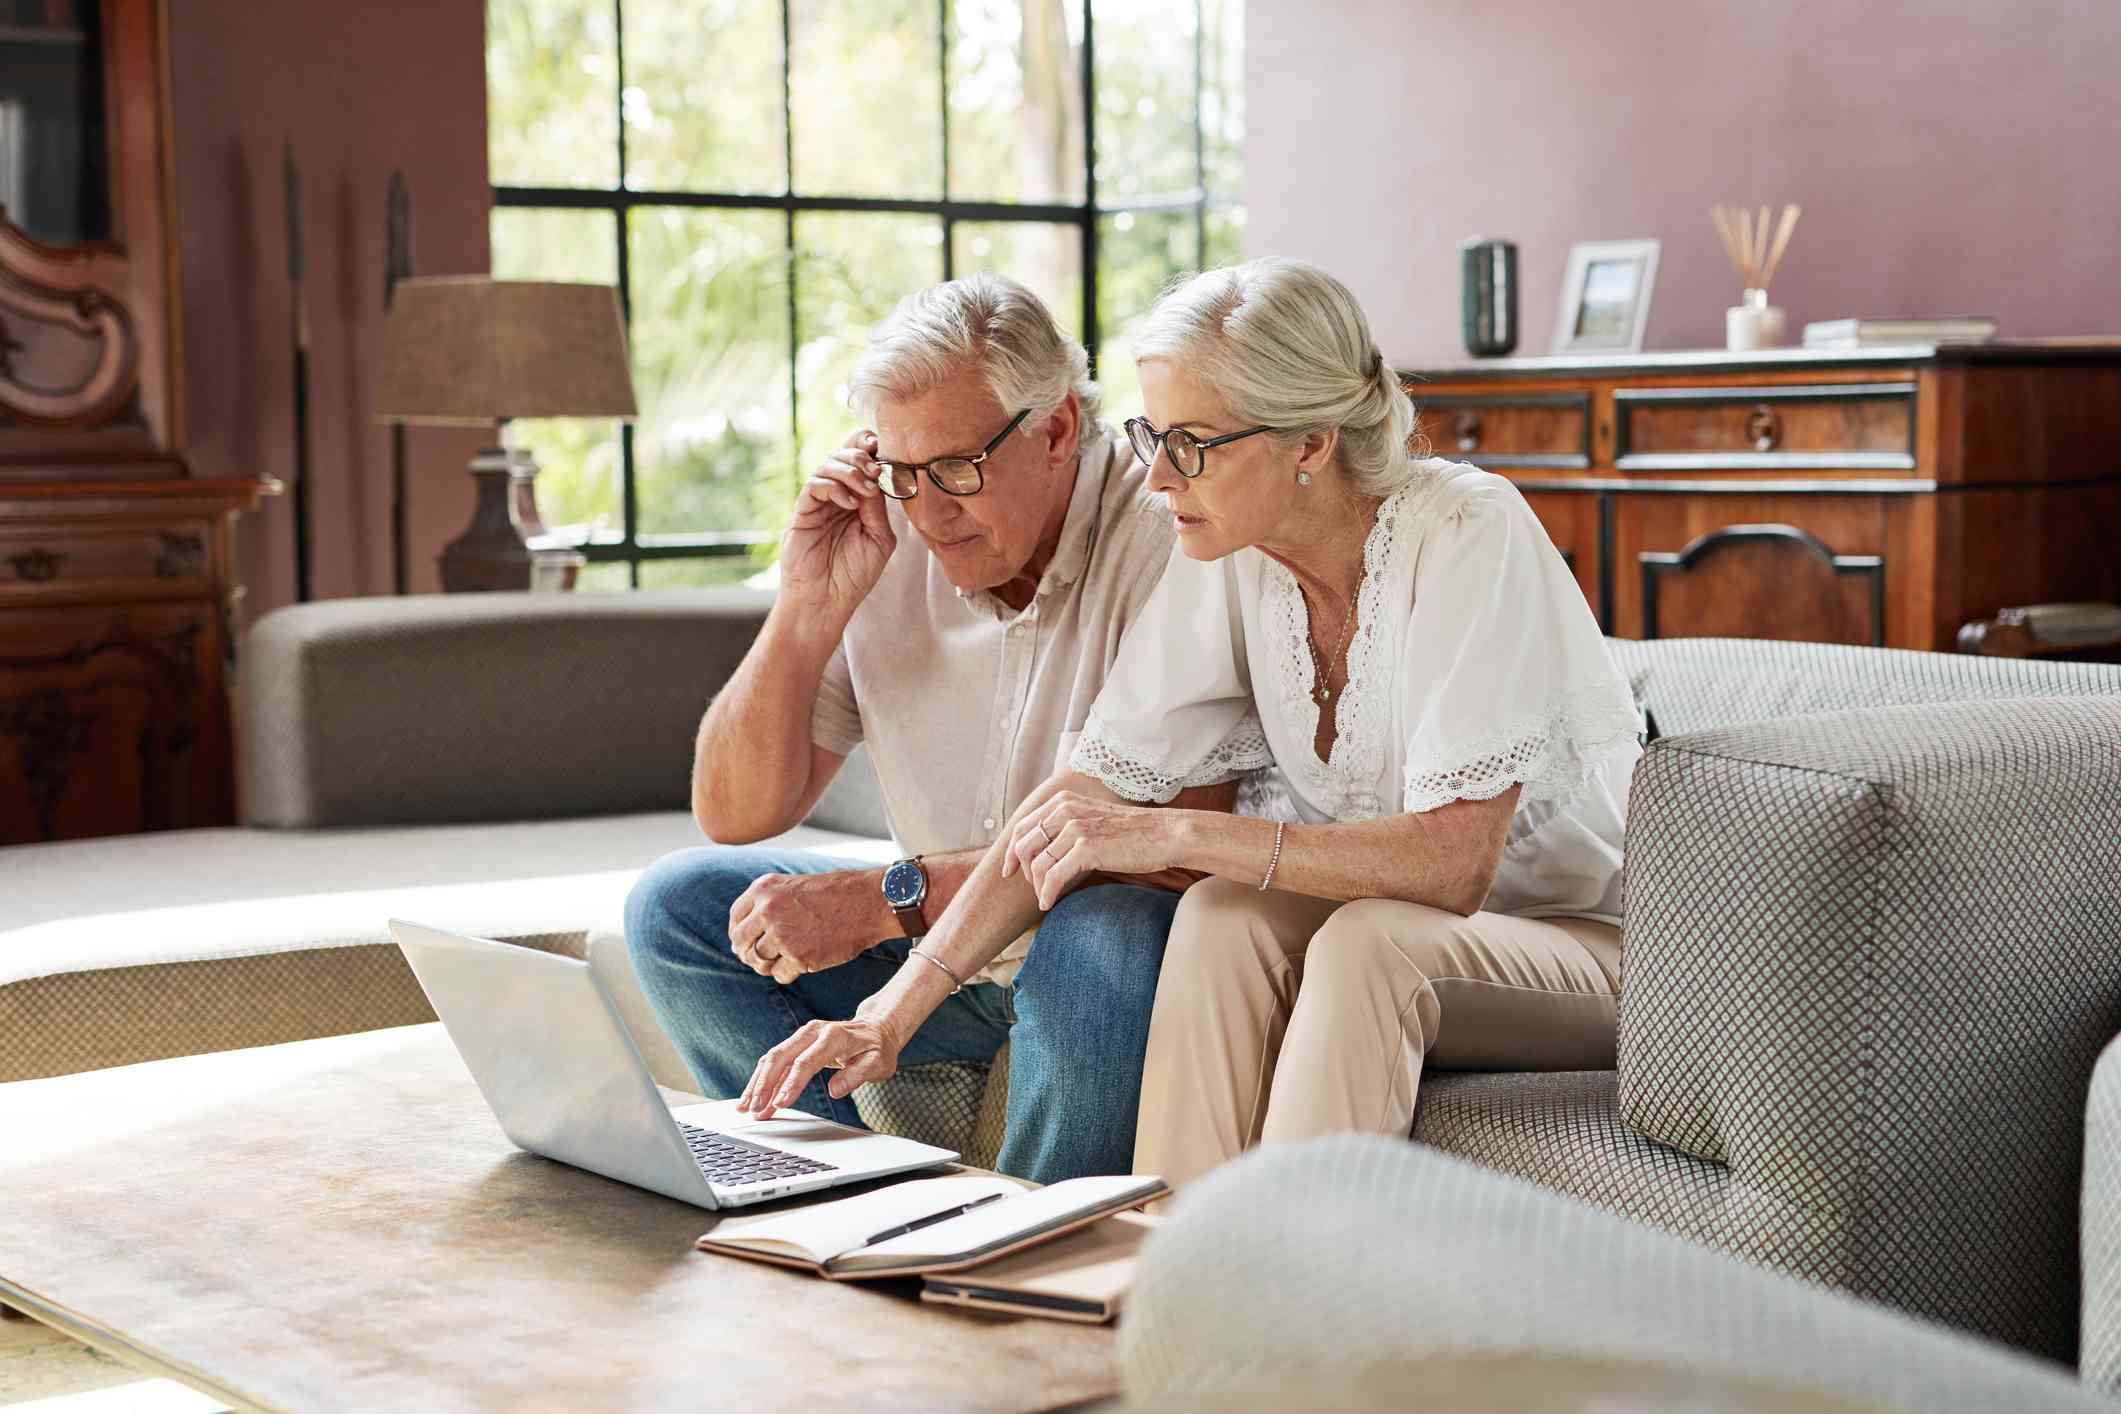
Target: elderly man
(966, 654)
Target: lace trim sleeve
(1550, 756)
(1130, 771)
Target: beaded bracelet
(1275, 861)
(957, 983)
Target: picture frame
(1605, 297)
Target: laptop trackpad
(786, 1127)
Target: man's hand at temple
(839, 537)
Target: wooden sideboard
(1881, 496)
(115, 574)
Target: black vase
(1488, 273)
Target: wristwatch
(905, 888)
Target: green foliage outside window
(749, 296)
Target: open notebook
(927, 1225)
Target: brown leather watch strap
(913, 921)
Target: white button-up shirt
(966, 704)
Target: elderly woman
(1437, 747)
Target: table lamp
(466, 350)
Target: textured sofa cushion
(1869, 960)
(1563, 1131)
(1695, 684)
(1308, 1265)
(438, 708)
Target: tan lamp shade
(472, 350)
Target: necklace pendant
(1324, 693)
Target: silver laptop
(557, 1067)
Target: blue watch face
(904, 883)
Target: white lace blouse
(1475, 664)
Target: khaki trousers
(1280, 1017)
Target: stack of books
(1865, 333)
(1038, 1252)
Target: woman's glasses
(954, 476)
(1188, 454)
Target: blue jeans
(1078, 1012)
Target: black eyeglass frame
(885, 468)
(1161, 442)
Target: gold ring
(1042, 835)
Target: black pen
(948, 1213)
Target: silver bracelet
(957, 983)
(1273, 863)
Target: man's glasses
(1188, 453)
(953, 476)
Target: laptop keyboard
(732, 1161)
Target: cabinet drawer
(1529, 430)
(1832, 425)
(37, 560)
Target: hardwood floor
(45, 1372)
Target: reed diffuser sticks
(1753, 323)
(1747, 243)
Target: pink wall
(1952, 156)
(359, 89)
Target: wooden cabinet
(113, 716)
(1881, 496)
(115, 576)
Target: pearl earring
(1303, 478)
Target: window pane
(1138, 251)
(543, 244)
(1144, 99)
(850, 270)
(606, 577)
(578, 487)
(866, 88)
(1016, 100)
(1222, 97)
(1046, 259)
(578, 475)
(695, 124)
(710, 360)
(718, 572)
(552, 98)
(1226, 236)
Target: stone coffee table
(340, 1224)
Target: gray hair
(1285, 344)
(986, 320)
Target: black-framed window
(764, 179)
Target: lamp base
(493, 553)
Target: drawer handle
(36, 566)
(1764, 427)
(1466, 428)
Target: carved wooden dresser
(115, 576)
(1882, 496)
